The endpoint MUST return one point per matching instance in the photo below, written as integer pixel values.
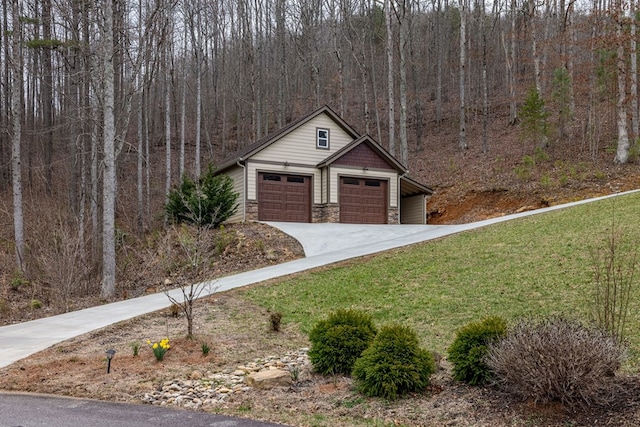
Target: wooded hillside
(105, 105)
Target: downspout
(244, 189)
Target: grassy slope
(533, 266)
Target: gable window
(322, 138)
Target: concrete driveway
(320, 239)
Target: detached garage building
(318, 169)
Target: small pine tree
(533, 116)
(206, 203)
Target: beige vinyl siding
(335, 172)
(254, 168)
(413, 210)
(324, 186)
(237, 174)
(299, 146)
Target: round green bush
(339, 340)
(468, 351)
(394, 364)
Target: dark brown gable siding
(363, 156)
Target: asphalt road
(31, 410)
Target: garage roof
(409, 187)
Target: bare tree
(535, 49)
(47, 93)
(5, 102)
(168, 74)
(439, 48)
(622, 153)
(390, 79)
(485, 90)
(109, 161)
(633, 57)
(462, 137)
(16, 133)
(510, 61)
(194, 20)
(403, 23)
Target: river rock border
(212, 388)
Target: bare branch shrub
(195, 249)
(186, 299)
(60, 262)
(613, 278)
(557, 360)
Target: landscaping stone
(213, 388)
(270, 378)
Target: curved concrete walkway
(323, 244)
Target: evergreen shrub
(468, 350)
(336, 342)
(394, 364)
(207, 202)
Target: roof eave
(415, 188)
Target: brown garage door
(284, 198)
(363, 201)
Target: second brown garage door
(363, 201)
(284, 197)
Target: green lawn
(537, 265)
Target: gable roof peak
(368, 140)
(264, 142)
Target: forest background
(104, 106)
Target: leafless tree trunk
(109, 161)
(47, 95)
(195, 24)
(593, 123)
(167, 124)
(183, 103)
(622, 153)
(198, 141)
(390, 80)
(335, 22)
(94, 207)
(633, 55)
(510, 61)
(417, 99)
(5, 106)
(16, 133)
(282, 58)
(140, 148)
(570, 54)
(439, 59)
(485, 90)
(535, 50)
(403, 30)
(462, 138)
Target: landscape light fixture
(110, 354)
